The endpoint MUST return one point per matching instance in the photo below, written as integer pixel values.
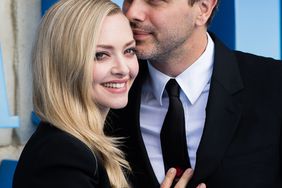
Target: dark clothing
(241, 143)
(53, 158)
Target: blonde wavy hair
(62, 77)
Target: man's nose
(135, 10)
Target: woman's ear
(206, 8)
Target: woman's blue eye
(100, 56)
(131, 51)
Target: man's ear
(205, 7)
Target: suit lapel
(222, 112)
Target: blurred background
(247, 25)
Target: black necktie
(173, 137)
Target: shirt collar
(158, 82)
(192, 81)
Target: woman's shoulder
(49, 135)
(58, 159)
(49, 144)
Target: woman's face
(116, 64)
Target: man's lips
(140, 34)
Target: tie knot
(172, 88)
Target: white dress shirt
(195, 85)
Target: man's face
(160, 26)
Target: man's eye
(100, 56)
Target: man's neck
(179, 60)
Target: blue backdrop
(224, 23)
(46, 4)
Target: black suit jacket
(241, 142)
(55, 159)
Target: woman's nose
(120, 68)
